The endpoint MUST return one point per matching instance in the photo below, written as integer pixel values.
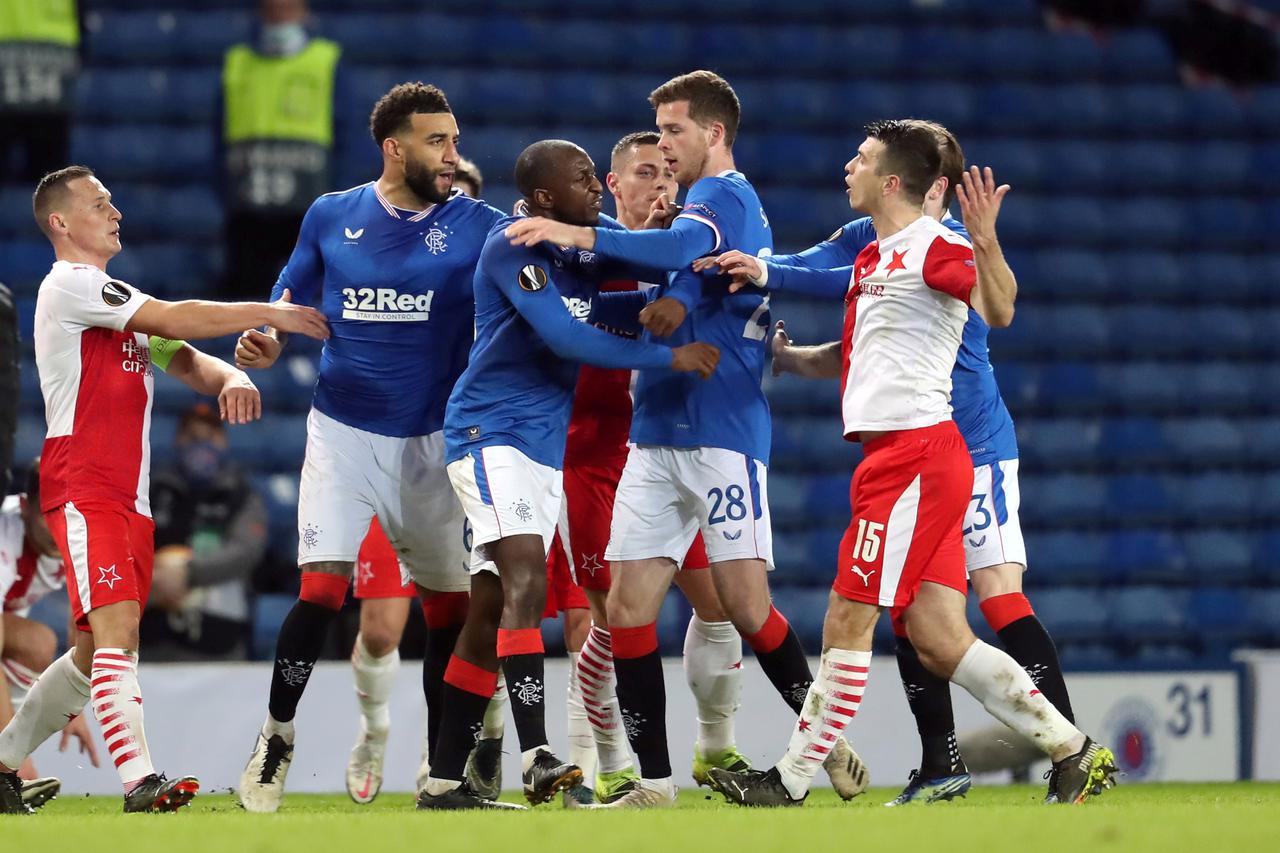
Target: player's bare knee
(848, 624)
(598, 601)
(378, 639)
(997, 580)
(699, 588)
(341, 568)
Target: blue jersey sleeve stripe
(715, 229)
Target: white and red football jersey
(904, 314)
(97, 384)
(25, 575)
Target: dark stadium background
(1143, 369)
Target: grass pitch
(1244, 817)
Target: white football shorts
(505, 493)
(992, 534)
(667, 494)
(349, 475)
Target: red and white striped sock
(599, 688)
(832, 702)
(117, 704)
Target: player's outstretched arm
(239, 401)
(197, 319)
(818, 362)
(663, 249)
(997, 287)
(259, 349)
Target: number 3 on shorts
(731, 500)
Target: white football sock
(57, 697)
(832, 702)
(117, 704)
(494, 725)
(713, 668)
(1008, 693)
(598, 685)
(21, 679)
(582, 742)
(375, 677)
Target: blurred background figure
(467, 177)
(278, 137)
(211, 533)
(39, 61)
(8, 385)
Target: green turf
(1163, 818)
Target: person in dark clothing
(211, 532)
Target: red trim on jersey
(866, 262)
(950, 268)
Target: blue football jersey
(535, 306)
(395, 286)
(977, 407)
(729, 410)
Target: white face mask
(282, 39)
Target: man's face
(430, 151)
(864, 186)
(641, 177)
(576, 193)
(91, 220)
(283, 11)
(684, 143)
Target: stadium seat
(1219, 556)
(1262, 610)
(1148, 614)
(1061, 558)
(805, 610)
(1072, 614)
(1147, 556)
(1216, 612)
(269, 611)
(1206, 441)
(23, 264)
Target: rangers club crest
(528, 691)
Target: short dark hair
(952, 155)
(52, 191)
(466, 170)
(392, 113)
(710, 98)
(910, 152)
(538, 163)
(632, 140)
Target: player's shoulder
(464, 206)
(955, 225)
(83, 281)
(65, 274)
(930, 231)
(340, 200)
(727, 184)
(858, 233)
(497, 246)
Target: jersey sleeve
(825, 283)
(525, 278)
(838, 250)
(619, 311)
(949, 268)
(712, 203)
(656, 248)
(88, 298)
(303, 275)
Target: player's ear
(611, 181)
(716, 133)
(543, 199)
(938, 190)
(391, 148)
